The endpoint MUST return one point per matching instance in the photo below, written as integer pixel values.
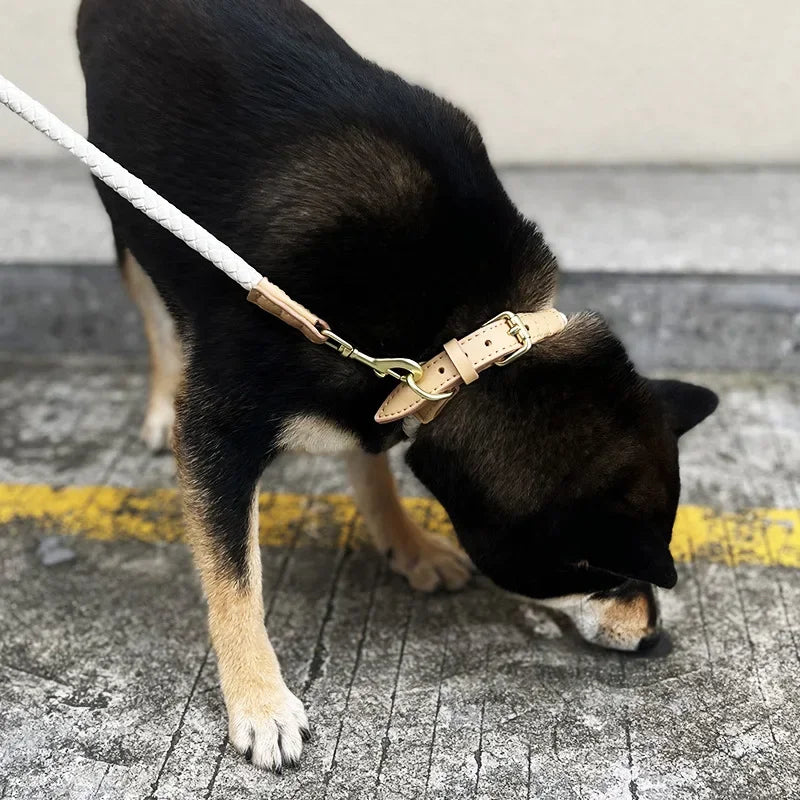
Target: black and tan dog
(372, 202)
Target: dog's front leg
(219, 476)
(428, 561)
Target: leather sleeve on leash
(272, 299)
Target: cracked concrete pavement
(107, 685)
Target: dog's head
(560, 475)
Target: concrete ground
(107, 685)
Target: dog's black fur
(372, 202)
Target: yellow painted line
(754, 536)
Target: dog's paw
(430, 562)
(156, 430)
(271, 728)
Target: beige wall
(556, 81)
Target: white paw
(156, 430)
(271, 727)
(430, 562)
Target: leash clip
(411, 370)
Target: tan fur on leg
(427, 561)
(264, 717)
(166, 361)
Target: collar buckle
(517, 328)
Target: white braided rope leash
(129, 186)
(262, 292)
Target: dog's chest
(311, 433)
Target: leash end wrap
(275, 301)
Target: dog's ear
(634, 550)
(686, 404)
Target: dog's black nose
(655, 645)
(649, 642)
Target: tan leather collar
(496, 342)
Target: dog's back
(259, 121)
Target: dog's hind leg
(428, 561)
(166, 362)
(220, 453)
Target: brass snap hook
(385, 366)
